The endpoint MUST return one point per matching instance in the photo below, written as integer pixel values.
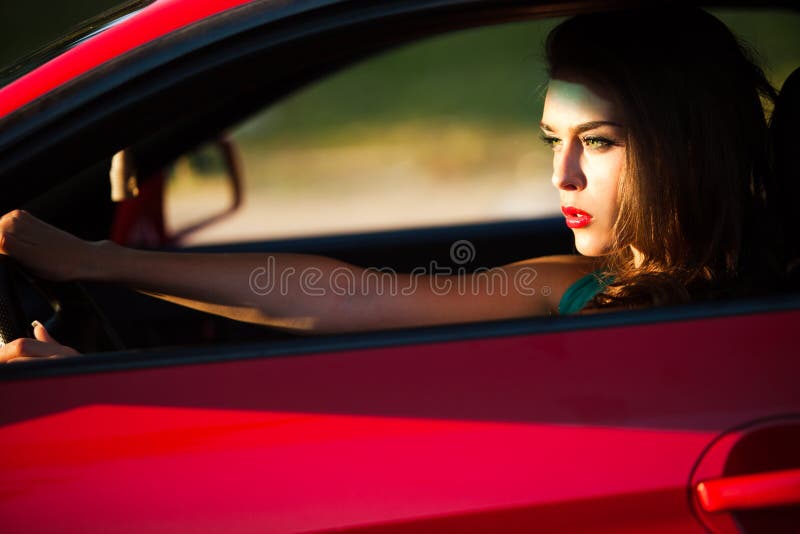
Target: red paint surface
(506, 434)
(149, 468)
(152, 22)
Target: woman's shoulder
(576, 260)
(556, 274)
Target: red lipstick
(575, 217)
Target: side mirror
(195, 191)
(201, 188)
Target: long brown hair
(694, 197)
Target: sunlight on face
(585, 131)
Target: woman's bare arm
(317, 294)
(296, 292)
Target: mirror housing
(195, 191)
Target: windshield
(79, 33)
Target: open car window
(436, 133)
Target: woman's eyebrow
(584, 127)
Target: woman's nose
(567, 172)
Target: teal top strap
(581, 292)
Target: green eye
(550, 141)
(597, 142)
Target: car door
(512, 426)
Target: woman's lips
(575, 217)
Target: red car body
(143, 26)
(604, 424)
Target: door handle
(758, 490)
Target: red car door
(589, 430)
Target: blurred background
(443, 131)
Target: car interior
(61, 172)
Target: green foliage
(774, 36)
(489, 76)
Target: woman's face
(585, 131)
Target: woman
(660, 157)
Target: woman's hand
(45, 250)
(42, 346)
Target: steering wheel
(74, 318)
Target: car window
(439, 132)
